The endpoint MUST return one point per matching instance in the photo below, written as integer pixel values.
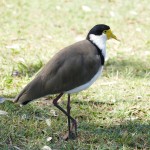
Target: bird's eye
(104, 31)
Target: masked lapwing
(71, 70)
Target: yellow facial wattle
(110, 35)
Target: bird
(71, 70)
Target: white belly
(86, 85)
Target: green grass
(114, 113)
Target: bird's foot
(69, 135)
(74, 126)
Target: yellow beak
(111, 35)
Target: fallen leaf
(49, 139)
(86, 8)
(112, 14)
(46, 148)
(17, 148)
(58, 7)
(24, 116)
(134, 13)
(3, 112)
(2, 99)
(14, 46)
(53, 113)
(48, 122)
(49, 37)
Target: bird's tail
(20, 98)
(32, 91)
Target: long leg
(68, 111)
(60, 108)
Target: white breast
(86, 85)
(100, 41)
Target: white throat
(100, 42)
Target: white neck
(100, 42)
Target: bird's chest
(88, 84)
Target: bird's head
(101, 30)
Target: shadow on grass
(96, 103)
(132, 67)
(133, 134)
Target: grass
(114, 113)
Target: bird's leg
(74, 123)
(60, 108)
(68, 111)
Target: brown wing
(68, 69)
